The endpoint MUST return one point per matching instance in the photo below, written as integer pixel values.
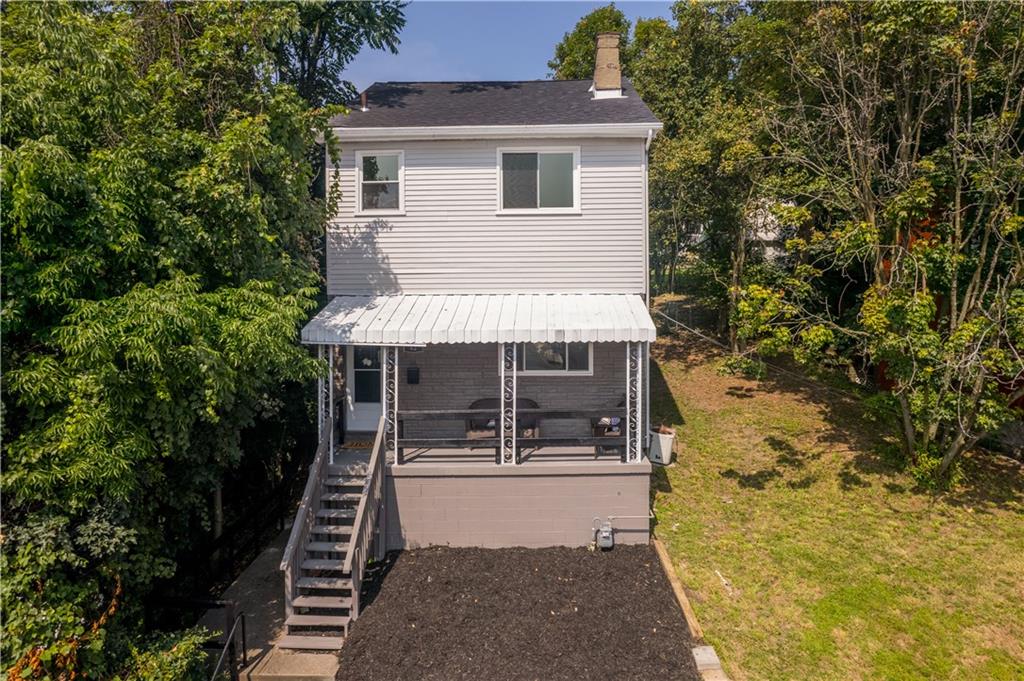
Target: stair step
(347, 469)
(340, 602)
(327, 546)
(322, 564)
(318, 621)
(336, 513)
(296, 642)
(323, 583)
(346, 481)
(340, 496)
(332, 529)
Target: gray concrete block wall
(530, 506)
(452, 376)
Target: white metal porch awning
(481, 318)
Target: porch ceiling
(481, 318)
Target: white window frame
(556, 372)
(575, 209)
(401, 182)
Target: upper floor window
(380, 178)
(539, 180)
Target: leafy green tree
(329, 36)
(705, 167)
(160, 253)
(900, 141)
(575, 54)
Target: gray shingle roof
(527, 102)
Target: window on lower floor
(366, 374)
(555, 358)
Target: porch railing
(305, 517)
(540, 415)
(368, 520)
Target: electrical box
(605, 536)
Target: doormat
(358, 444)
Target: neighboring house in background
(487, 330)
(765, 235)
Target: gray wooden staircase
(323, 563)
(322, 602)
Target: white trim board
(497, 131)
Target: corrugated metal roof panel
(481, 318)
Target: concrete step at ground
(329, 564)
(327, 546)
(292, 665)
(333, 530)
(336, 513)
(321, 621)
(297, 642)
(323, 583)
(336, 602)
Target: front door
(365, 386)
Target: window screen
(519, 180)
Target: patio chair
(609, 426)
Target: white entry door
(365, 385)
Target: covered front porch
(488, 380)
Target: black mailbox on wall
(412, 375)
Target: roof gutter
(627, 130)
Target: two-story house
(487, 330)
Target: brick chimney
(607, 71)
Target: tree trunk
(908, 429)
(738, 260)
(218, 520)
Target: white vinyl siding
(450, 238)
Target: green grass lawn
(806, 556)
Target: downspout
(646, 423)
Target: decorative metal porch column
(634, 400)
(330, 402)
(509, 455)
(321, 398)
(391, 402)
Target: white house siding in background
(451, 239)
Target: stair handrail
(305, 514)
(366, 518)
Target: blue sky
(481, 40)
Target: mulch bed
(557, 613)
